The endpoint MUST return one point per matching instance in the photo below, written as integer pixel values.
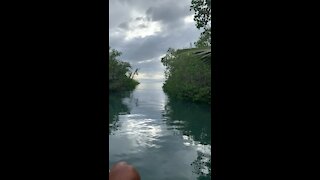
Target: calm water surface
(163, 138)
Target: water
(161, 137)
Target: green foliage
(202, 10)
(203, 54)
(188, 71)
(120, 75)
(204, 40)
(187, 75)
(202, 17)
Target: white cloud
(135, 30)
(189, 19)
(146, 61)
(151, 76)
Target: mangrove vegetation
(188, 71)
(121, 76)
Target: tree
(188, 76)
(120, 74)
(204, 40)
(202, 17)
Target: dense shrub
(187, 76)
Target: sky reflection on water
(158, 137)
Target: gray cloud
(175, 32)
(168, 12)
(124, 25)
(142, 26)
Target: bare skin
(123, 171)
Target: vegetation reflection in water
(162, 137)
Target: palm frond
(203, 53)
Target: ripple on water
(163, 141)
(143, 132)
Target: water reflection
(162, 137)
(193, 122)
(116, 107)
(191, 119)
(142, 131)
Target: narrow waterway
(162, 137)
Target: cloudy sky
(143, 30)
